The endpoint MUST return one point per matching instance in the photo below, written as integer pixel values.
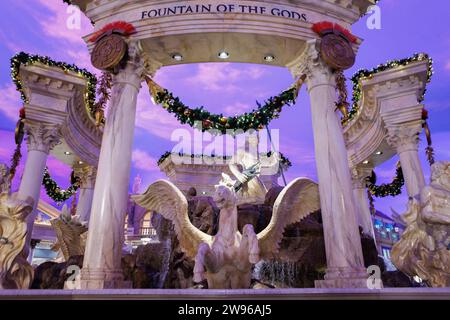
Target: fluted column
(345, 264)
(405, 139)
(364, 217)
(87, 177)
(41, 138)
(102, 260)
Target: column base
(102, 279)
(344, 278)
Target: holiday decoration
(103, 94)
(256, 119)
(55, 192)
(429, 149)
(392, 189)
(109, 52)
(367, 74)
(285, 162)
(18, 137)
(118, 27)
(26, 59)
(325, 27)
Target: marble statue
(5, 184)
(246, 159)
(71, 234)
(15, 271)
(226, 259)
(424, 249)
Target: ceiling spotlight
(366, 162)
(177, 57)
(269, 58)
(80, 162)
(378, 153)
(223, 55)
(67, 153)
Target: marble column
(102, 260)
(364, 216)
(87, 177)
(345, 264)
(41, 138)
(405, 139)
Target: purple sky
(408, 26)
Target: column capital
(87, 175)
(311, 64)
(404, 137)
(42, 137)
(359, 175)
(133, 71)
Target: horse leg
(199, 267)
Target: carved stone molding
(133, 72)
(42, 137)
(404, 138)
(311, 64)
(87, 175)
(359, 175)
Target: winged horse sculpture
(226, 259)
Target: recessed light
(80, 162)
(177, 57)
(67, 153)
(223, 55)
(269, 58)
(366, 162)
(379, 153)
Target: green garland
(26, 59)
(55, 192)
(392, 189)
(365, 74)
(284, 161)
(257, 119)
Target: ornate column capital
(133, 71)
(404, 137)
(87, 175)
(311, 64)
(359, 175)
(42, 137)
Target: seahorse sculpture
(424, 248)
(70, 232)
(226, 259)
(15, 271)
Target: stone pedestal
(41, 138)
(364, 217)
(345, 264)
(102, 260)
(87, 177)
(405, 139)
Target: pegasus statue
(15, 271)
(424, 248)
(226, 259)
(71, 234)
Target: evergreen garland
(387, 189)
(55, 192)
(285, 162)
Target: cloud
(10, 104)
(224, 77)
(56, 25)
(143, 161)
